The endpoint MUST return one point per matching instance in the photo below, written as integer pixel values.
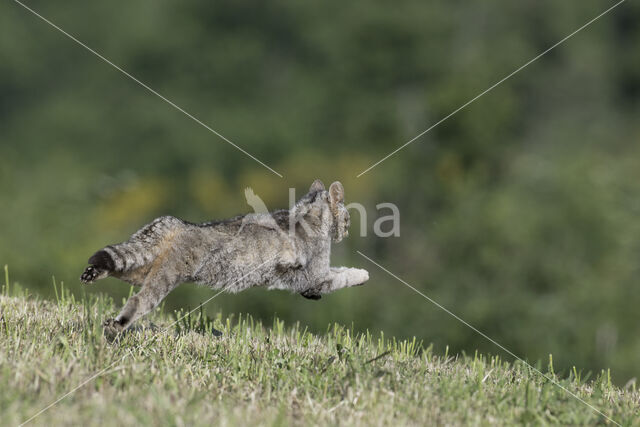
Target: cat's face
(339, 216)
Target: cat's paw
(359, 276)
(111, 329)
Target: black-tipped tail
(101, 264)
(102, 261)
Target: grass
(254, 374)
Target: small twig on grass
(377, 357)
(329, 362)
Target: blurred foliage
(520, 213)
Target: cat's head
(339, 220)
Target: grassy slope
(259, 375)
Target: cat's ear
(316, 186)
(336, 193)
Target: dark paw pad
(311, 294)
(90, 274)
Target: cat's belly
(235, 276)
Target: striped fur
(286, 249)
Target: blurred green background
(520, 213)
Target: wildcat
(286, 249)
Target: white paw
(360, 276)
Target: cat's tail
(101, 264)
(120, 258)
(141, 249)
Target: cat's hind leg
(155, 288)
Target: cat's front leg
(337, 278)
(343, 277)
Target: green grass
(263, 375)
